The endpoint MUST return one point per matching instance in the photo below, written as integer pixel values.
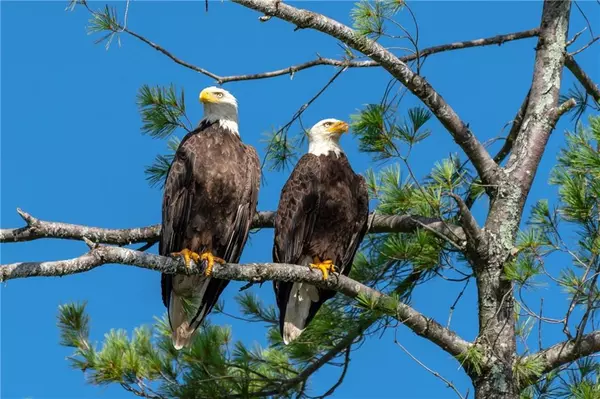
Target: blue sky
(72, 151)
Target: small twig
(576, 36)
(514, 131)
(435, 373)
(468, 222)
(594, 40)
(540, 324)
(342, 375)
(456, 302)
(565, 107)
(147, 246)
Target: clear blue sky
(72, 151)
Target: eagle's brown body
(209, 201)
(323, 212)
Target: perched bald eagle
(320, 222)
(209, 201)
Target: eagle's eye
(327, 124)
(219, 94)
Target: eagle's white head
(220, 106)
(325, 135)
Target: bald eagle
(209, 201)
(320, 222)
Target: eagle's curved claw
(187, 255)
(210, 261)
(325, 266)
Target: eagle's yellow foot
(187, 255)
(325, 266)
(210, 261)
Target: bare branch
(469, 224)
(563, 109)
(37, 229)
(291, 70)
(459, 130)
(435, 373)
(173, 57)
(514, 131)
(421, 325)
(566, 352)
(583, 78)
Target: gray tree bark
(497, 335)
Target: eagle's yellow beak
(208, 97)
(339, 127)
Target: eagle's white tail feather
(301, 298)
(182, 333)
(180, 321)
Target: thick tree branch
(252, 272)
(459, 130)
(37, 229)
(566, 352)
(587, 82)
(291, 70)
(542, 110)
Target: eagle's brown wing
(178, 198)
(247, 208)
(361, 224)
(297, 211)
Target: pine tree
(506, 259)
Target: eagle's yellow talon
(325, 266)
(210, 261)
(187, 255)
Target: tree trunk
(497, 338)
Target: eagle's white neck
(323, 145)
(225, 114)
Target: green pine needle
(282, 150)
(162, 110)
(370, 16)
(156, 174)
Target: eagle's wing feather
(177, 205)
(297, 211)
(247, 209)
(361, 225)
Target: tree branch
(471, 228)
(566, 352)
(513, 133)
(37, 229)
(583, 78)
(252, 272)
(291, 70)
(460, 131)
